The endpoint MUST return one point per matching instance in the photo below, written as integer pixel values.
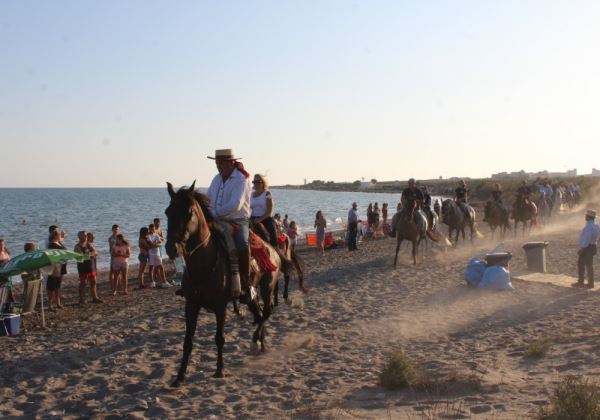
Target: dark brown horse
(193, 233)
(525, 212)
(407, 228)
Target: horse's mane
(203, 200)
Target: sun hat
(591, 213)
(224, 154)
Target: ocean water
(26, 213)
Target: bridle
(195, 208)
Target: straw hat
(224, 154)
(591, 213)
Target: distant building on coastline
(595, 172)
(532, 175)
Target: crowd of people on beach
(150, 241)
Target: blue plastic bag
(496, 277)
(474, 271)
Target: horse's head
(185, 217)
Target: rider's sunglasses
(257, 182)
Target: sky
(136, 93)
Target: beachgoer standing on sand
(286, 222)
(229, 194)
(154, 259)
(261, 204)
(112, 240)
(85, 268)
(93, 275)
(58, 271)
(352, 227)
(587, 249)
(320, 225)
(143, 255)
(292, 233)
(376, 217)
(121, 252)
(384, 212)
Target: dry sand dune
(326, 348)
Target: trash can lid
(531, 245)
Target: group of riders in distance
(533, 204)
(417, 219)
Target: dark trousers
(266, 230)
(586, 262)
(352, 231)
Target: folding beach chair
(3, 299)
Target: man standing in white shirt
(229, 194)
(587, 249)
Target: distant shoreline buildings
(542, 174)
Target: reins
(203, 242)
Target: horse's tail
(299, 267)
(477, 233)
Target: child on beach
(112, 240)
(143, 255)
(154, 258)
(120, 253)
(292, 232)
(94, 273)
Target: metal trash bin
(498, 258)
(535, 253)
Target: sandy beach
(327, 348)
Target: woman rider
(261, 204)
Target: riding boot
(244, 272)
(234, 275)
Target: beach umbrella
(35, 260)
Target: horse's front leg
(220, 339)
(414, 251)
(286, 286)
(191, 320)
(398, 242)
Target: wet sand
(326, 348)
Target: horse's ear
(192, 188)
(170, 189)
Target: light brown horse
(193, 232)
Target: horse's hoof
(255, 347)
(176, 383)
(218, 374)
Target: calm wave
(97, 209)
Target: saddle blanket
(260, 252)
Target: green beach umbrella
(34, 260)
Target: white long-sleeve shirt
(589, 234)
(230, 200)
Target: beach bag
(474, 271)
(496, 277)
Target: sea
(26, 213)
